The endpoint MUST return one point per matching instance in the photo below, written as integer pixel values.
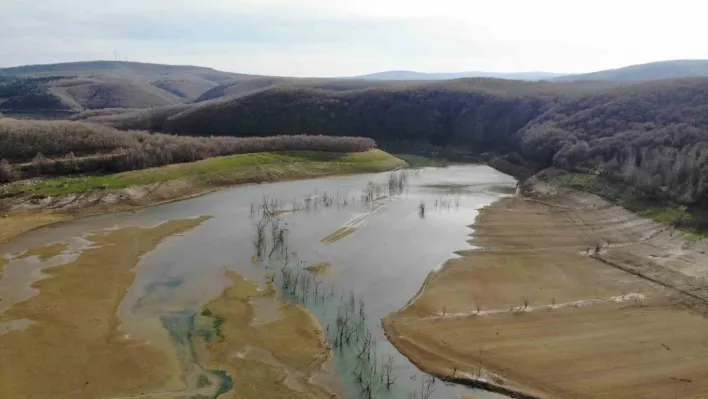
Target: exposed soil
(74, 347)
(17, 224)
(46, 252)
(273, 356)
(565, 296)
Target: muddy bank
(565, 295)
(266, 347)
(72, 344)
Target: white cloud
(338, 38)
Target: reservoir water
(379, 251)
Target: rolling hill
(651, 136)
(630, 125)
(73, 87)
(410, 75)
(651, 71)
(133, 70)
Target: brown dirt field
(74, 348)
(273, 359)
(531, 311)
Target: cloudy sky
(343, 38)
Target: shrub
(7, 172)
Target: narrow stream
(380, 252)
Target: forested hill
(644, 72)
(653, 136)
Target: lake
(379, 251)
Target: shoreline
(632, 249)
(23, 214)
(443, 373)
(413, 351)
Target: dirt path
(567, 297)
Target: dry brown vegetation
(567, 296)
(34, 146)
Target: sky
(333, 38)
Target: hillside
(650, 71)
(242, 88)
(411, 75)
(652, 136)
(73, 87)
(119, 68)
(70, 88)
(44, 148)
(649, 136)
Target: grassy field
(221, 169)
(417, 161)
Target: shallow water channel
(387, 250)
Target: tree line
(651, 135)
(32, 148)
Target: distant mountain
(651, 71)
(79, 86)
(410, 75)
(122, 69)
(84, 87)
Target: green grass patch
(416, 161)
(665, 215)
(575, 180)
(222, 170)
(692, 222)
